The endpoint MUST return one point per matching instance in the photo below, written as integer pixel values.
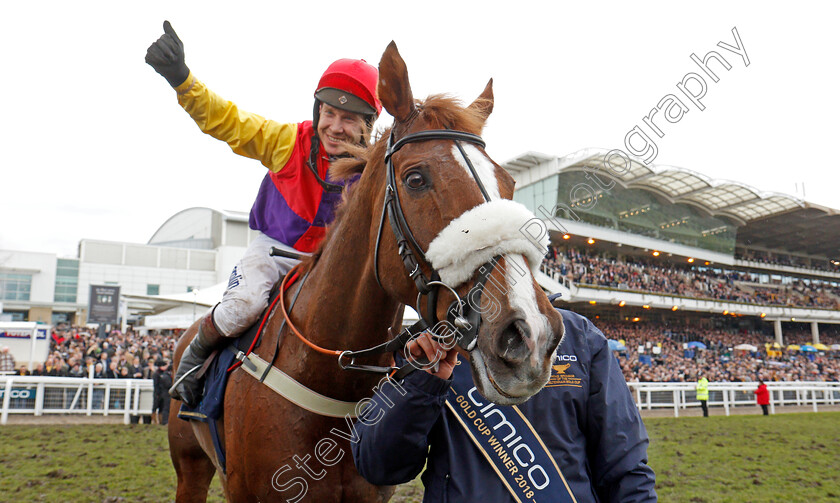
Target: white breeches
(249, 285)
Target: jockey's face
(337, 127)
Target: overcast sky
(94, 144)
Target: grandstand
(665, 255)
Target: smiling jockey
(297, 197)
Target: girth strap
(293, 391)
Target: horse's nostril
(513, 344)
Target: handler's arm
(617, 440)
(393, 436)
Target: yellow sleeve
(247, 134)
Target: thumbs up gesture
(166, 56)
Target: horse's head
(449, 207)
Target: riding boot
(187, 387)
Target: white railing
(39, 395)
(555, 275)
(679, 395)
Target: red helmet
(350, 84)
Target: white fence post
(676, 395)
(107, 402)
(90, 396)
(7, 398)
(39, 399)
(136, 407)
(126, 418)
(725, 402)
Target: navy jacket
(591, 427)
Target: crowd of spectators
(785, 260)
(75, 351)
(654, 353)
(638, 274)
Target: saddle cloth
(216, 377)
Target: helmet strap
(312, 162)
(315, 147)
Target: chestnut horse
(454, 205)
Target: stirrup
(181, 379)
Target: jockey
(297, 197)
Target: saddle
(216, 371)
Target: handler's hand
(442, 362)
(166, 56)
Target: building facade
(193, 250)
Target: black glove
(166, 56)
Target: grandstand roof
(764, 219)
(197, 227)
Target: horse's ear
(483, 105)
(393, 88)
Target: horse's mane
(439, 110)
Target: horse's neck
(345, 308)
(341, 307)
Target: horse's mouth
(486, 383)
(496, 386)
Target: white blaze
(522, 297)
(484, 168)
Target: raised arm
(247, 134)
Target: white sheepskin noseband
(486, 231)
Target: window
(67, 267)
(65, 289)
(66, 280)
(15, 286)
(15, 315)
(152, 289)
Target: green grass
(785, 457)
(87, 463)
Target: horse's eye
(415, 181)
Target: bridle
(462, 316)
(393, 208)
